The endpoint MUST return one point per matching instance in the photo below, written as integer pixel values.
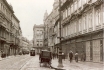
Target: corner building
(9, 30)
(83, 28)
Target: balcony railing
(98, 27)
(85, 31)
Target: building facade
(9, 29)
(50, 38)
(82, 27)
(25, 44)
(38, 31)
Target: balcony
(66, 3)
(84, 31)
(98, 27)
(66, 20)
(103, 25)
(97, 2)
(80, 32)
(90, 29)
(3, 24)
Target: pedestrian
(83, 56)
(71, 56)
(76, 57)
(63, 56)
(53, 54)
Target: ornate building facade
(82, 26)
(9, 29)
(38, 37)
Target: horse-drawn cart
(45, 57)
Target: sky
(30, 12)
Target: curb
(7, 57)
(57, 68)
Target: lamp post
(60, 65)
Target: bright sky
(30, 12)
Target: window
(66, 13)
(63, 14)
(103, 13)
(71, 8)
(90, 20)
(98, 17)
(0, 6)
(75, 5)
(79, 24)
(68, 10)
(85, 22)
(79, 3)
(83, 2)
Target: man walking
(76, 57)
(71, 56)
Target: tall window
(0, 6)
(90, 20)
(85, 22)
(68, 10)
(66, 13)
(71, 8)
(103, 13)
(98, 17)
(68, 29)
(79, 3)
(75, 5)
(75, 27)
(80, 24)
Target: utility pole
(60, 65)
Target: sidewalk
(8, 57)
(78, 66)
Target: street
(24, 62)
(27, 62)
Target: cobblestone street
(27, 62)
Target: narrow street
(24, 62)
(27, 62)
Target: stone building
(9, 29)
(50, 38)
(25, 44)
(82, 27)
(38, 36)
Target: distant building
(38, 37)
(25, 43)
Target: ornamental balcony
(98, 27)
(97, 2)
(90, 29)
(84, 31)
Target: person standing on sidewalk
(76, 56)
(71, 56)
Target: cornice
(11, 9)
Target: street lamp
(60, 65)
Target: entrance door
(96, 50)
(88, 51)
